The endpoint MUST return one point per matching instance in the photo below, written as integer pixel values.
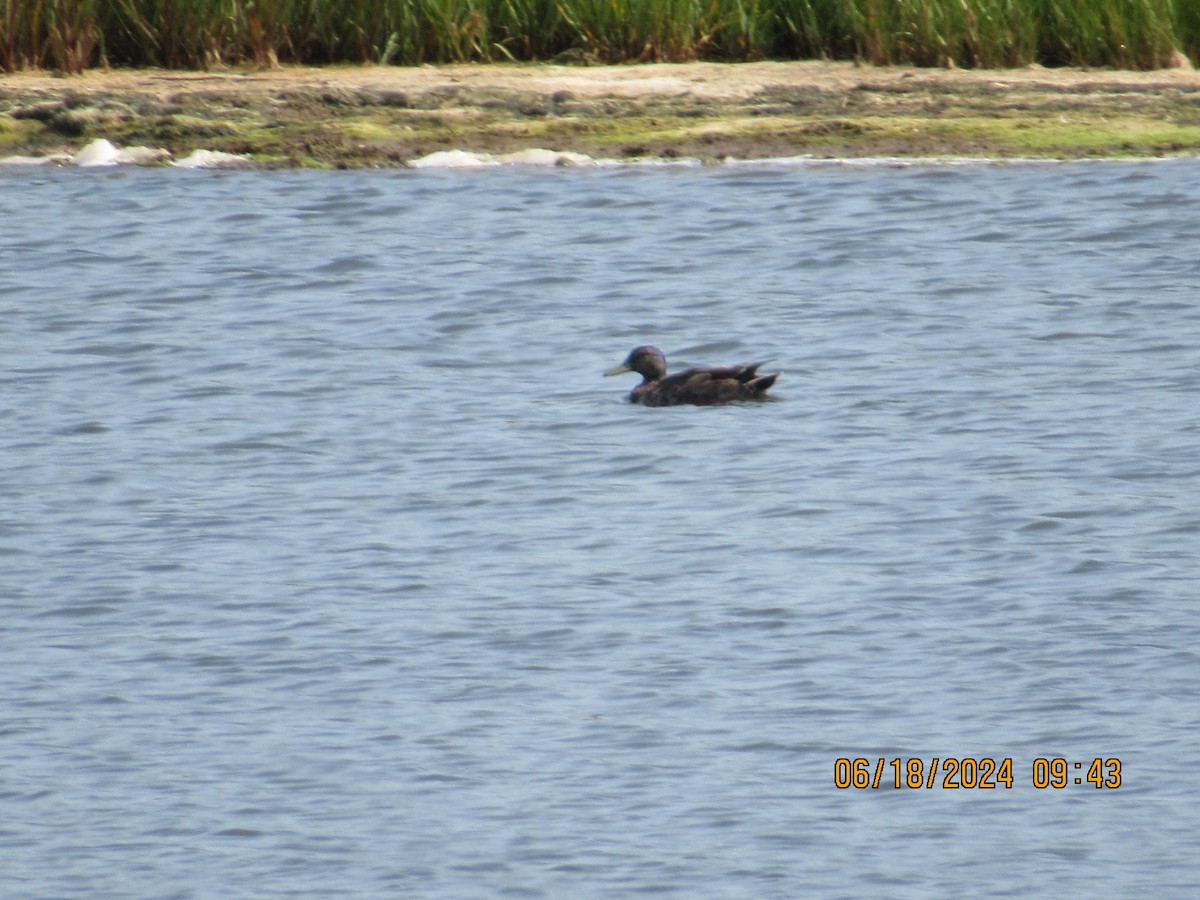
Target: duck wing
(744, 373)
(709, 386)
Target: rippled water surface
(330, 565)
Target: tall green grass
(75, 34)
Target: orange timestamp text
(972, 773)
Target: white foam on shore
(464, 159)
(211, 159)
(102, 153)
(453, 159)
(58, 158)
(535, 158)
(105, 153)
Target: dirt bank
(387, 116)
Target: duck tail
(761, 383)
(745, 373)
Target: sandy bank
(370, 116)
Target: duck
(699, 387)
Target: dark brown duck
(702, 387)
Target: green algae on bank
(386, 116)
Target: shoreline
(371, 116)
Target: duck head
(648, 362)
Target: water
(330, 565)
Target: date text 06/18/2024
(977, 773)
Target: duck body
(698, 387)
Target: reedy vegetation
(72, 35)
